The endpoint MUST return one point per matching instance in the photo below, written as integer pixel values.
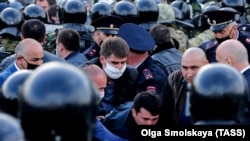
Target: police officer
(218, 101)
(10, 91)
(150, 75)
(222, 23)
(148, 13)
(202, 30)
(127, 11)
(238, 5)
(106, 26)
(33, 11)
(58, 102)
(168, 16)
(11, 21)
(72, 10)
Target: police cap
(140, 40)
(108, 24)
(219, 19)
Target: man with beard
(222, 23)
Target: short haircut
(52, 12)
(161, 34)
(34, 29)
(148, 100)
(116, 46)
(70, 39)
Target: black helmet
(11, 21)
(10, 91)
(34, 11)
(74, 11)
(236, 4)
(211, 8)
(200, 21)
(183, 7)
(127, 11)
(58, 101)
(11, 129)
(148, 10)
(180, 19)
(218, 93)
(101, 9)
(60, 10)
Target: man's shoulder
(206, 45)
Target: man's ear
(133, 112)
(22, 37)
(43, 40)
(102, 59)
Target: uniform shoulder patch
(247, 40)
(147, 74)
(91, 52)
(211, 44)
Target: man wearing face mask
(34, 29)
(121, 78)
(222, 23)
(29, 55)
(99, 78)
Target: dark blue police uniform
(150, 75)
(219, 19)
(109, 25)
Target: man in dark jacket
(175, 89)
(121, 78)
(234, 53)
(165, 53)
(126, 119)
(34, 29)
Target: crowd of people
(99, 70)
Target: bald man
(174, 106)
(234, 53)
(98, 76)
(29, 55)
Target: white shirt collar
(243, 70)
(16, 66)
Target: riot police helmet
(127, 11)
(11, 21)
(11, 129)
(74, 11)
(180, 19)
(148, 10)
(218, 95)
(236, 4)
(60, 10)
(10, 91)
(58, 100)
(183, 7)
(101, 9)
(34, 11)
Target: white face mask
(113, 72)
